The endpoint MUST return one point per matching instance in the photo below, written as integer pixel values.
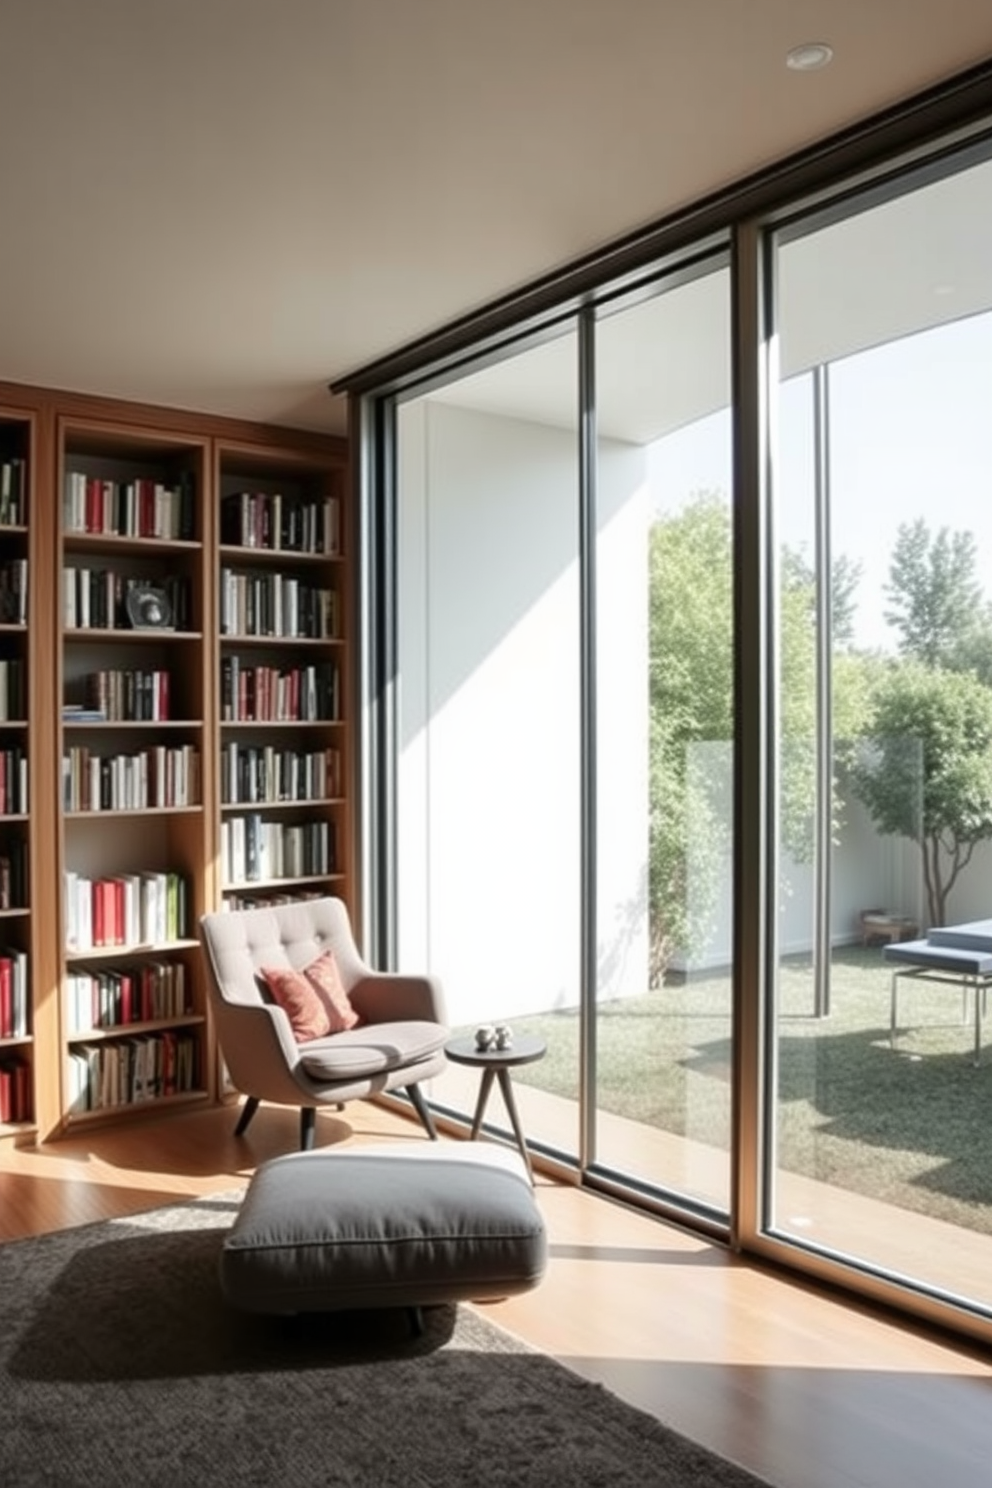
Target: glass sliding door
(488, 803)
(664, 740)
(881, 1146)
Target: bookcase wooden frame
(64, 431)
(245, 472)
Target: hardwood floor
(806, 1389)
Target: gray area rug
(120, 1365)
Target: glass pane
(488, 787)
(664, 573)
(883, 1148)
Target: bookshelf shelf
(129, 1030)
(246, 885)
(275, 642)
(110, 542)
(235, 807)
(110, 514)
(140, 948)
(105, 814)
(236, 725)
(120, 1110)
(131, 725)
(235, 556)
(120, 634)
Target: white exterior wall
(489, 707)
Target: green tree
(935, 598)
(692, 704)
(927, 772)
(691, 696)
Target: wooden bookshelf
(18, 847)
(281, 666)
(135, 592)
(118, 728)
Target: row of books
(15, 1089)
(112, 997)
(13, 690)
(14, 1018)
(266, 694)
(13, 492)
(134, 508)
(14, 592)
(281, 524)
(13, 782)
(14, 874)
(253, 775)
(121, 695)
(96, 598)
(159, 776)
(132, 909)
(126, 1071)
(254, 849)
(277, 605)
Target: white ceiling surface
(223, 205)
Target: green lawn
(911, 1127)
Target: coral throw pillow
(307, 1012)
(323, 974)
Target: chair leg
(308, 1127)
(422, 1109)
(247, 1112)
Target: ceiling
(224, 205)
(900, 266)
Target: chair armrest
(398, 997)
(258, 1048)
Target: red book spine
(100, 912)
(127, 997)
(21, 1102)
(6, 997)
(168, 1064)
(117, 898)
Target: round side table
(496, 1064)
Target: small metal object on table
(496, 1064)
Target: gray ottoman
(401, 1225)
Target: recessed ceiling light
(809, 56)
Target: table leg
(978, 1023)
(485, 1085)
(892, 1010)
(506, 1086)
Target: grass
(911, 1126)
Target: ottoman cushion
(389, 1226)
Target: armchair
(398, 1041)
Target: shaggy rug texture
(120, 1365)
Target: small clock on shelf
(148, 608)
